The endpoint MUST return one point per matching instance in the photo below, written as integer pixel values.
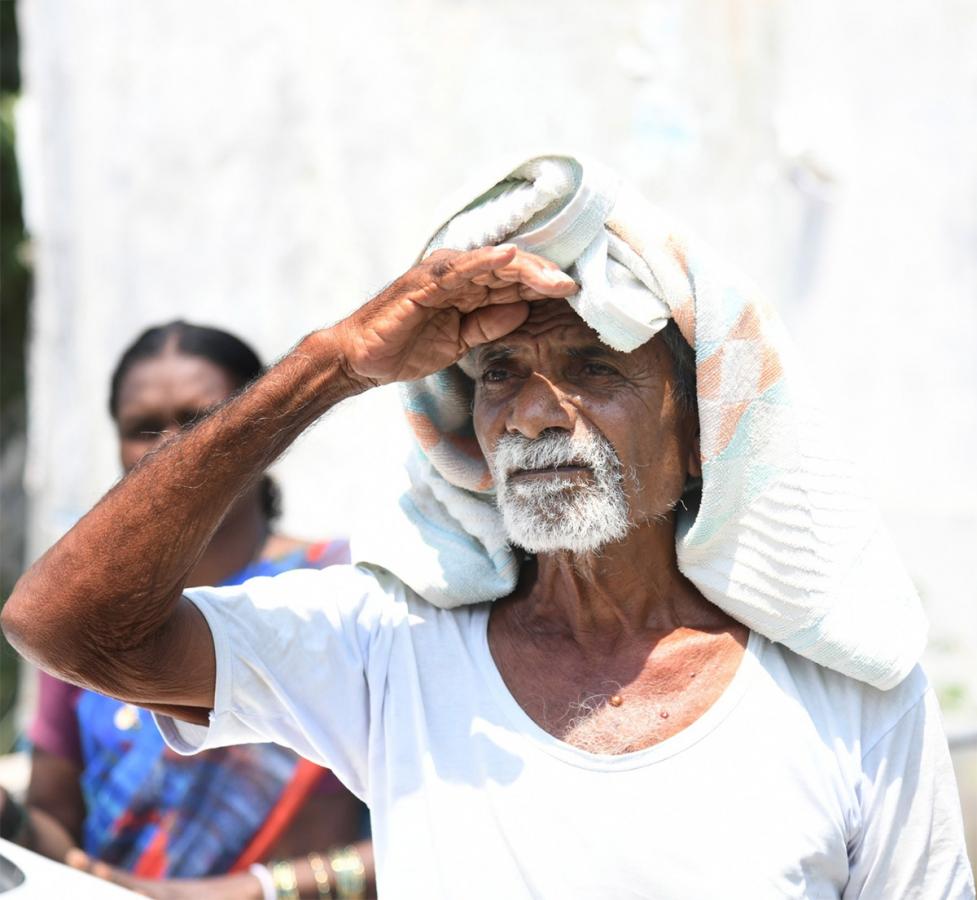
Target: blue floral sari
(158, 814)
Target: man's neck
(629, 588)
(617, 651)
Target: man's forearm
(109, 585)
(104, 608)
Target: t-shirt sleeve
(292, 655)
(55, 726)
(910, 841)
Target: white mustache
(551, 450)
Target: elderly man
(605, 728)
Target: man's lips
(566, 471)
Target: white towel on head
(784, 538)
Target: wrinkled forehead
(551, 323)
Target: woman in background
(102, 779)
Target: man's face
(584, 442)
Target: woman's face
(161, 395)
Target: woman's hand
(242, 886)
(437, 311)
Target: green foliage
(13, 280)
(952, 696)
(14, 299)
(9, 48)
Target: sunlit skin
(118, 623)
(554, 372)
(623, 622)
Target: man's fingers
(522, 263)
(494, 266)
(489, 323)
(489, 280)
(526, 293)
(452, 269)
(537, 274)
(508, 293)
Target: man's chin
(555, 547)
(557, 537)
(562, 516)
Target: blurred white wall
(264, 167)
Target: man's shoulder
(363, 592)
(841, 706)
(301, 591)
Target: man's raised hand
(119, 623)
(437, 311)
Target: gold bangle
(321, 876)
(286, 882)
(350, 873)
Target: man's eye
(598, 369)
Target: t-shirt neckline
(524, 725)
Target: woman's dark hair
(221, 348)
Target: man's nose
(540, 404)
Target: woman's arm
(51, 819)
(55, 791)
(33, 829)
(300, 872)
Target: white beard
(561, 513)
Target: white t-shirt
(798, 782)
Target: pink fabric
(330, 553)
(55, 726)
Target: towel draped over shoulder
(784, 538)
